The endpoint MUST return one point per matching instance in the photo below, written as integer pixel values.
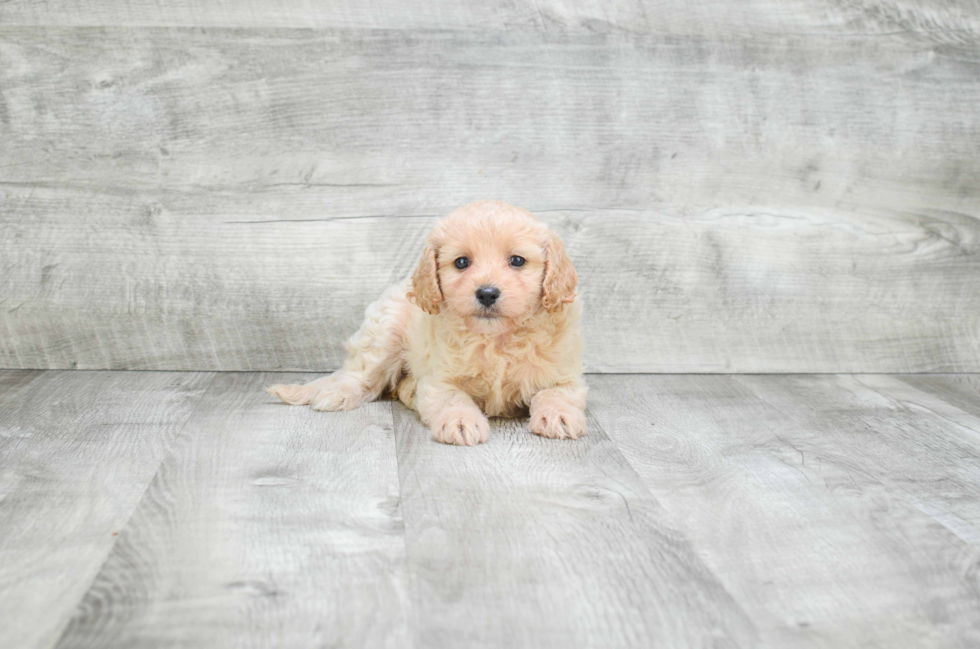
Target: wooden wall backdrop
(761, 186)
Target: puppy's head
(492, 265)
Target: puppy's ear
(560, 278)
(425, 291)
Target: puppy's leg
(374, 360)
(451, 414)
(559, 412)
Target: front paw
(461, 426)
(558, 421)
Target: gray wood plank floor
(77, 451)
(154, 509)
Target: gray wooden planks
(960, 390)
(529, 542)
(948, 20)
(192, 285)
(77, 451)
(227, 199)
(406, 122)
(384, 14)
(809, 515)
(947, 412)
(267, 526)
(781, 511)
(904, 436)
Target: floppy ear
(425, 291)
(560, 278)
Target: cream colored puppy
(487, 325)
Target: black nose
(487, 295)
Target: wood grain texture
(528, 542)
(77, 451)
(913, 445)
(748, 511)
(387, 122)
(267, 526)
(949, 19)
(961, 423)
(715, 292)
(813, 520)
(758, 202)
(960, 390)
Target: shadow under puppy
(487, 325)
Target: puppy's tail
(294, 395)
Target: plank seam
(112, 546)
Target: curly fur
(429, 342)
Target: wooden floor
(144, 509)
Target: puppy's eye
(516, 261)
(462, 263)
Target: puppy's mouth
(490, 313)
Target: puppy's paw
(339, 395)
(558, 421)
(461, 426)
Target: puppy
(487, 325)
